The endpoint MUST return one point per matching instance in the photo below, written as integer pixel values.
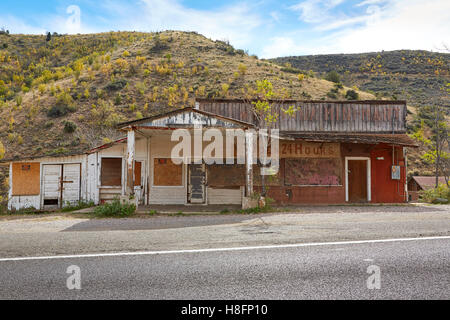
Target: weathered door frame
(369, 198)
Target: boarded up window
(166, 173)
(111, 174)
(137, 173)
(26, 179)
(321, 172)
(226, 175)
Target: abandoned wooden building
(330, 152)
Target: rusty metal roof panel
(427, 182)
(373, 138)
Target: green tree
(265, 113)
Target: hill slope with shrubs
(65, 93)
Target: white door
(51, 185)
(71, 184)
(61, 184)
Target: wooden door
(52, 185)
(71, 181)
(139, 181)
(357, 180)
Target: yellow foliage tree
(2, 150)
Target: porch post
(130, 161)
(249, 163)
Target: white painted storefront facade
(71, 179)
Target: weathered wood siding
(37, 201)
(327, 116)
(225, 196)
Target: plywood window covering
(226, 175)
(137, 173)
(111, 173)
(166, 173)
(26, 179)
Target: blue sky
(268, 28)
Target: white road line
(294, 245)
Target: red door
(357, 181)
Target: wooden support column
(130, 161)
(249, 136)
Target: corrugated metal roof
(427, 182)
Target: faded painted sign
(309, 150)
(311, 172)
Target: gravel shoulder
(73, 235)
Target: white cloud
(16, 25)
(313, 11)
(234, 22)
(401, 24)
(281, 46)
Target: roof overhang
(363, 138)
(185, 118)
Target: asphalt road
(418, 269)
(66, 234)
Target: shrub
(59, 110)
(351, 95)
(115, 208)
(431, 195)
(331, 95)
(69, 127)
(333, 76)
(78, 206)
(116, 85)
(242, 68)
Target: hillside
(416, 76)
(65, 94)
(419, 77)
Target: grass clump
(77, 206)
(115, 209)
(23, 211)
